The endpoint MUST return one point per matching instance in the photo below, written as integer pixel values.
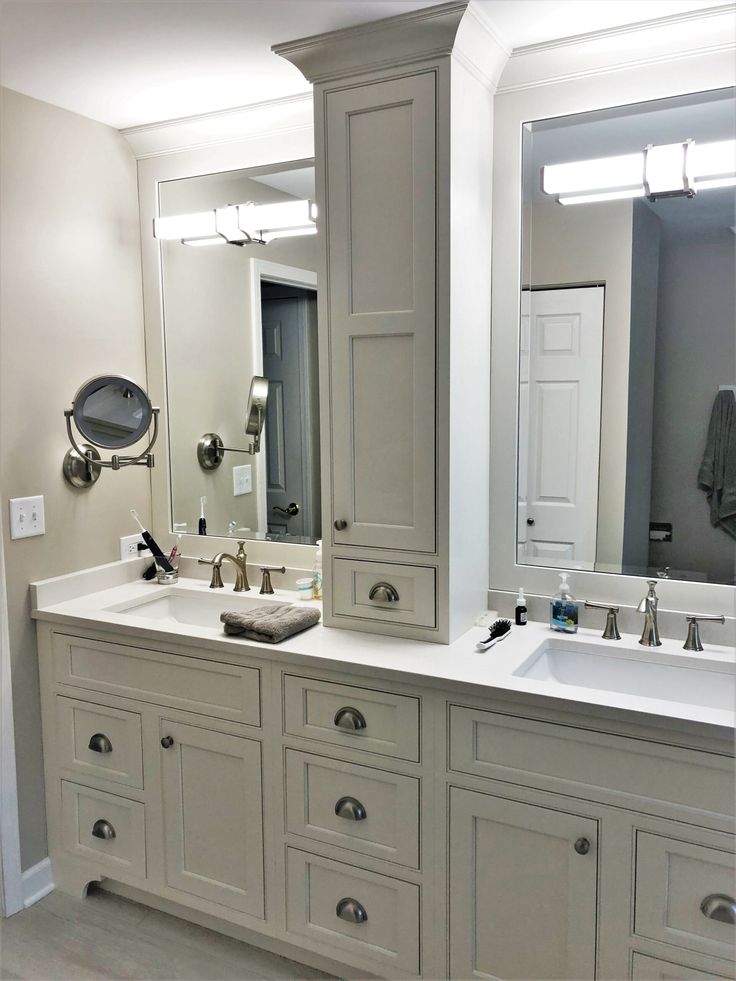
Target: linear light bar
(240, 224)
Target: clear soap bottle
(564, 609)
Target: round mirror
(256, 412)
(112, 411)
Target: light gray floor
(107, 937)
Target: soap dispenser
(564, 609)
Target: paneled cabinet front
(381, 202)
(213, 821)
(523, 886)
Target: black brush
(500, 629)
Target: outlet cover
(242, 480)
(27, 517)
(129, 547)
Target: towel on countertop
(272, 623)
(717, 475)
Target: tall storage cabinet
(403, 124)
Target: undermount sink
(688, 680)
(188, 607)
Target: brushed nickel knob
(351, 910)
(350, 809)
(350, 718)
(341, 524)
(167, 742)
(103, 829)
(99, 743)
(582, 846)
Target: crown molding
(274, 117)
(652, 42)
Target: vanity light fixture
(666, 170)
(240, 224)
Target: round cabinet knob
(99, 743)
(582, 846)
(350, 809)
(103, 829)
(719, 907)
(341, 524)
(167, 742)
(383, 592)
(530, 522)
(351, 910)
(350, 719)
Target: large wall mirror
(627, 361)
(234, 312)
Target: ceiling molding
(653, 42)
(291, 114)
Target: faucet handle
(611, 629)
(266, 571)
(216, 581)
(693, 642)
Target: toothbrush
(202, 519)
(161, 560)
(499, 631)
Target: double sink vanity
(556, 807)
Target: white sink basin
(184, 606)
(689, 680)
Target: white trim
(38, 881)
(11, 899)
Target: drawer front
(645, 968)
(503, 747)
(357, 718)
(104, 829)
(673, 881)
(357, 807)
(99, 741)
(386, 940)
(414, 592)
(226, 691)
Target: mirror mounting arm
(82, 464)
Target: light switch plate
(27, 517)
(242, 480)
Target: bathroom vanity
(387, 806)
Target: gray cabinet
(523, 886)
(212, 809)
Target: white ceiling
(130, 62)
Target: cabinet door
(213, 816)
(381, 207)
(522, 899)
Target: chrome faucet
(648, 606)
(239, 561)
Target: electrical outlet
(242, 480)
(129, 547)
(27, 517)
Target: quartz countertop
(101, 599)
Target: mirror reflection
(627, 361)
(231, 314)
(112, 411)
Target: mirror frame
(526, 102)
(262, 150)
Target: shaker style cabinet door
(380, 169)
(213, 821)
(522, 890)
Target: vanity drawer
(226, 691)
(357, 807)
(373, 721)
(503, 747)
(99, 741)
(646, 968)
(104, 829)
(674, 879)
(379, 925)
(414, 588)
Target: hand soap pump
(564, 609)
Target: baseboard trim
(38, 881)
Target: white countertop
(73, 601)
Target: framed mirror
(233, 314)
(627, 338)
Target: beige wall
(70, 307)
(576, 245)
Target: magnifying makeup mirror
(210, 448)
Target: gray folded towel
(272, 623)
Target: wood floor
(105, 937)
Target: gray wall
(70, 308)
(696, 352)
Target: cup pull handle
(351, 910)
(99, 743)
(383, 592)
(103, 829)
(350, 809)
(350, 718)
(719, 907)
